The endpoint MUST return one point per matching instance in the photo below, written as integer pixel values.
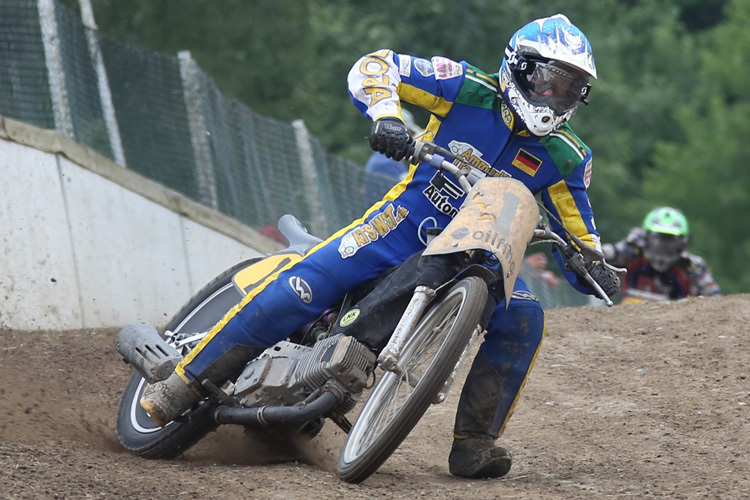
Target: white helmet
(545, 73)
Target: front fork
(391, 353)
(389, 356)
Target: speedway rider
(509, 124)
(657, 261)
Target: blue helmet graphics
(545, 73)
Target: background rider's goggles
(665, 244)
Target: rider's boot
(477, 426)
(476, 456)
(166, 399)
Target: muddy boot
(166, 399)
(478, 457)
(479, 417)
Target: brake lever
(577, 263)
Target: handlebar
(577, 257)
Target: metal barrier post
(54, 61)
(191, 88)
(310, 178)
(105, 95)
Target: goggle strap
(585, 94)
(512, 58)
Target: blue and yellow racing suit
(469, 117)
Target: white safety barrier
(85, 243)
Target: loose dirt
(647, 400)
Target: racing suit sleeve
(701, 280)
(623, 252)
(569, 204)
(381, 80)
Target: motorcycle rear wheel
(136, 430)
(397, 402)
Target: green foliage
(705, 174)
(667, 119)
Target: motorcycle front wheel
(136, 430)
(398, 401)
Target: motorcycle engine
(287, 373)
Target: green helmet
(666, 220)
(667, 233)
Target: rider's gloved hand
(605, 277)
(390, 137)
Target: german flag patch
(526, 162)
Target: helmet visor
(553, 84)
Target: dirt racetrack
(635, 401)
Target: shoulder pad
(637, 236)
(479, 89)
(695, 261)
(565, 148)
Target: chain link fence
(164, 117)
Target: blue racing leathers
(468, 117)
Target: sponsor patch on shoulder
(404, 66)
(424, 67)
(445, 68)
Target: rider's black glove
(390, 137)
(605, 277)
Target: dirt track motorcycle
(317, 373)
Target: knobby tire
(377, 433)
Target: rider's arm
(625, 251)
(568, 202)
(379, 81)
(701, 280)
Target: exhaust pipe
(278, 415)
(141, 346)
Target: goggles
(662, 250)
(552, 84)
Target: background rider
(657, 261)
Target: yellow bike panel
(499, 215)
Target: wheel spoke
(399, 401)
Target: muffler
(142, 347)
